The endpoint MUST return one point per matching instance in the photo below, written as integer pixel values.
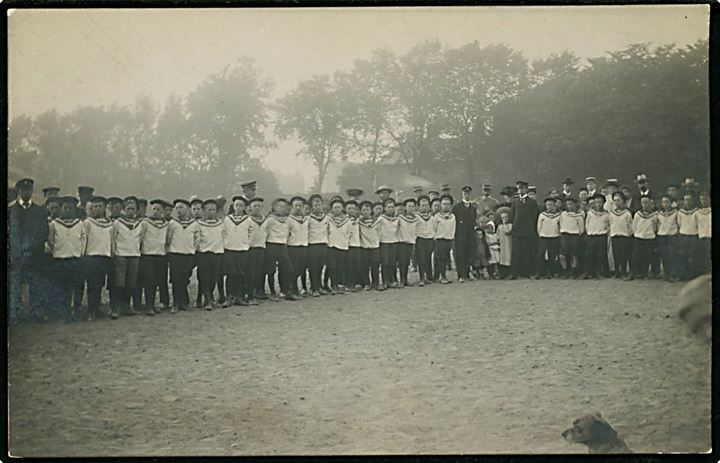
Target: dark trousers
(152, 272)
(404, 254)
(317, 258)
(68, 274)
(687, 255)
(164, 289)
(667, 252)
(423, 257)
(643, 250)
(24, 270)
(235, 264)
(622, 253)
(181, 266)
(256, 276)
(336, 265)
(703, 256)
(388, 260)
(298, 258)
(534, 244)
(442, 253)
(95, 272)
(551, 246)
(595, 254)
(463, 257)
(522, 255)
(352, 266)
(369, 262)
(276, 254)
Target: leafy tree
(477, 79)
(368, 100)
(313, 113)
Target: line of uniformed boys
(353, 245)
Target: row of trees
(486, 109)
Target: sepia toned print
(352, 231)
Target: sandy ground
(483, 367)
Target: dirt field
(486, 367)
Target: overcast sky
(66, 58)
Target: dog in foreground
(597, 434)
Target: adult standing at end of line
(487, 201)
(524, 214)
(465, 217)
(28, 231)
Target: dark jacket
(465, 217)
(27, 231)
(524, 217)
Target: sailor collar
(102, 222)
(210, 222)
(157, 223)
(68, 223)
(131, 224)
(237, 220)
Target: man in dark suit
(524, 213)
(465, 216)
(643, 183)
(28, 231)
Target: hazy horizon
(62, 59)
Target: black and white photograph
(433, 230)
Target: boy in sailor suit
(66, 242)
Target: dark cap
(314, 197)
(620, 193)
(366, 203)
(570, 199)
(486, 186)
(195, 200)
(417, 189)
(298, 198)
(389, 200)
(532, 188)
(521, 182)
(52, 199)
(337, 199)
(466, 188)
(161, 202)
(382, 188)
(114, 200)
(433, 191)
(71, 200)
(351, 202)
(181, 201)
(252, 184)
(597, 195)
(354, 192)
(98, 199)
(210, 201)
(447, 197)
(256, 199)
(24, 183)
(131, 199)
(409, 200)
(142, 201)
(444, 187)
(84, 189)
(51, 189)
(549, 198)
(240, 198)
(568, 181)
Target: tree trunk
(373, 161)
(470, 161)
